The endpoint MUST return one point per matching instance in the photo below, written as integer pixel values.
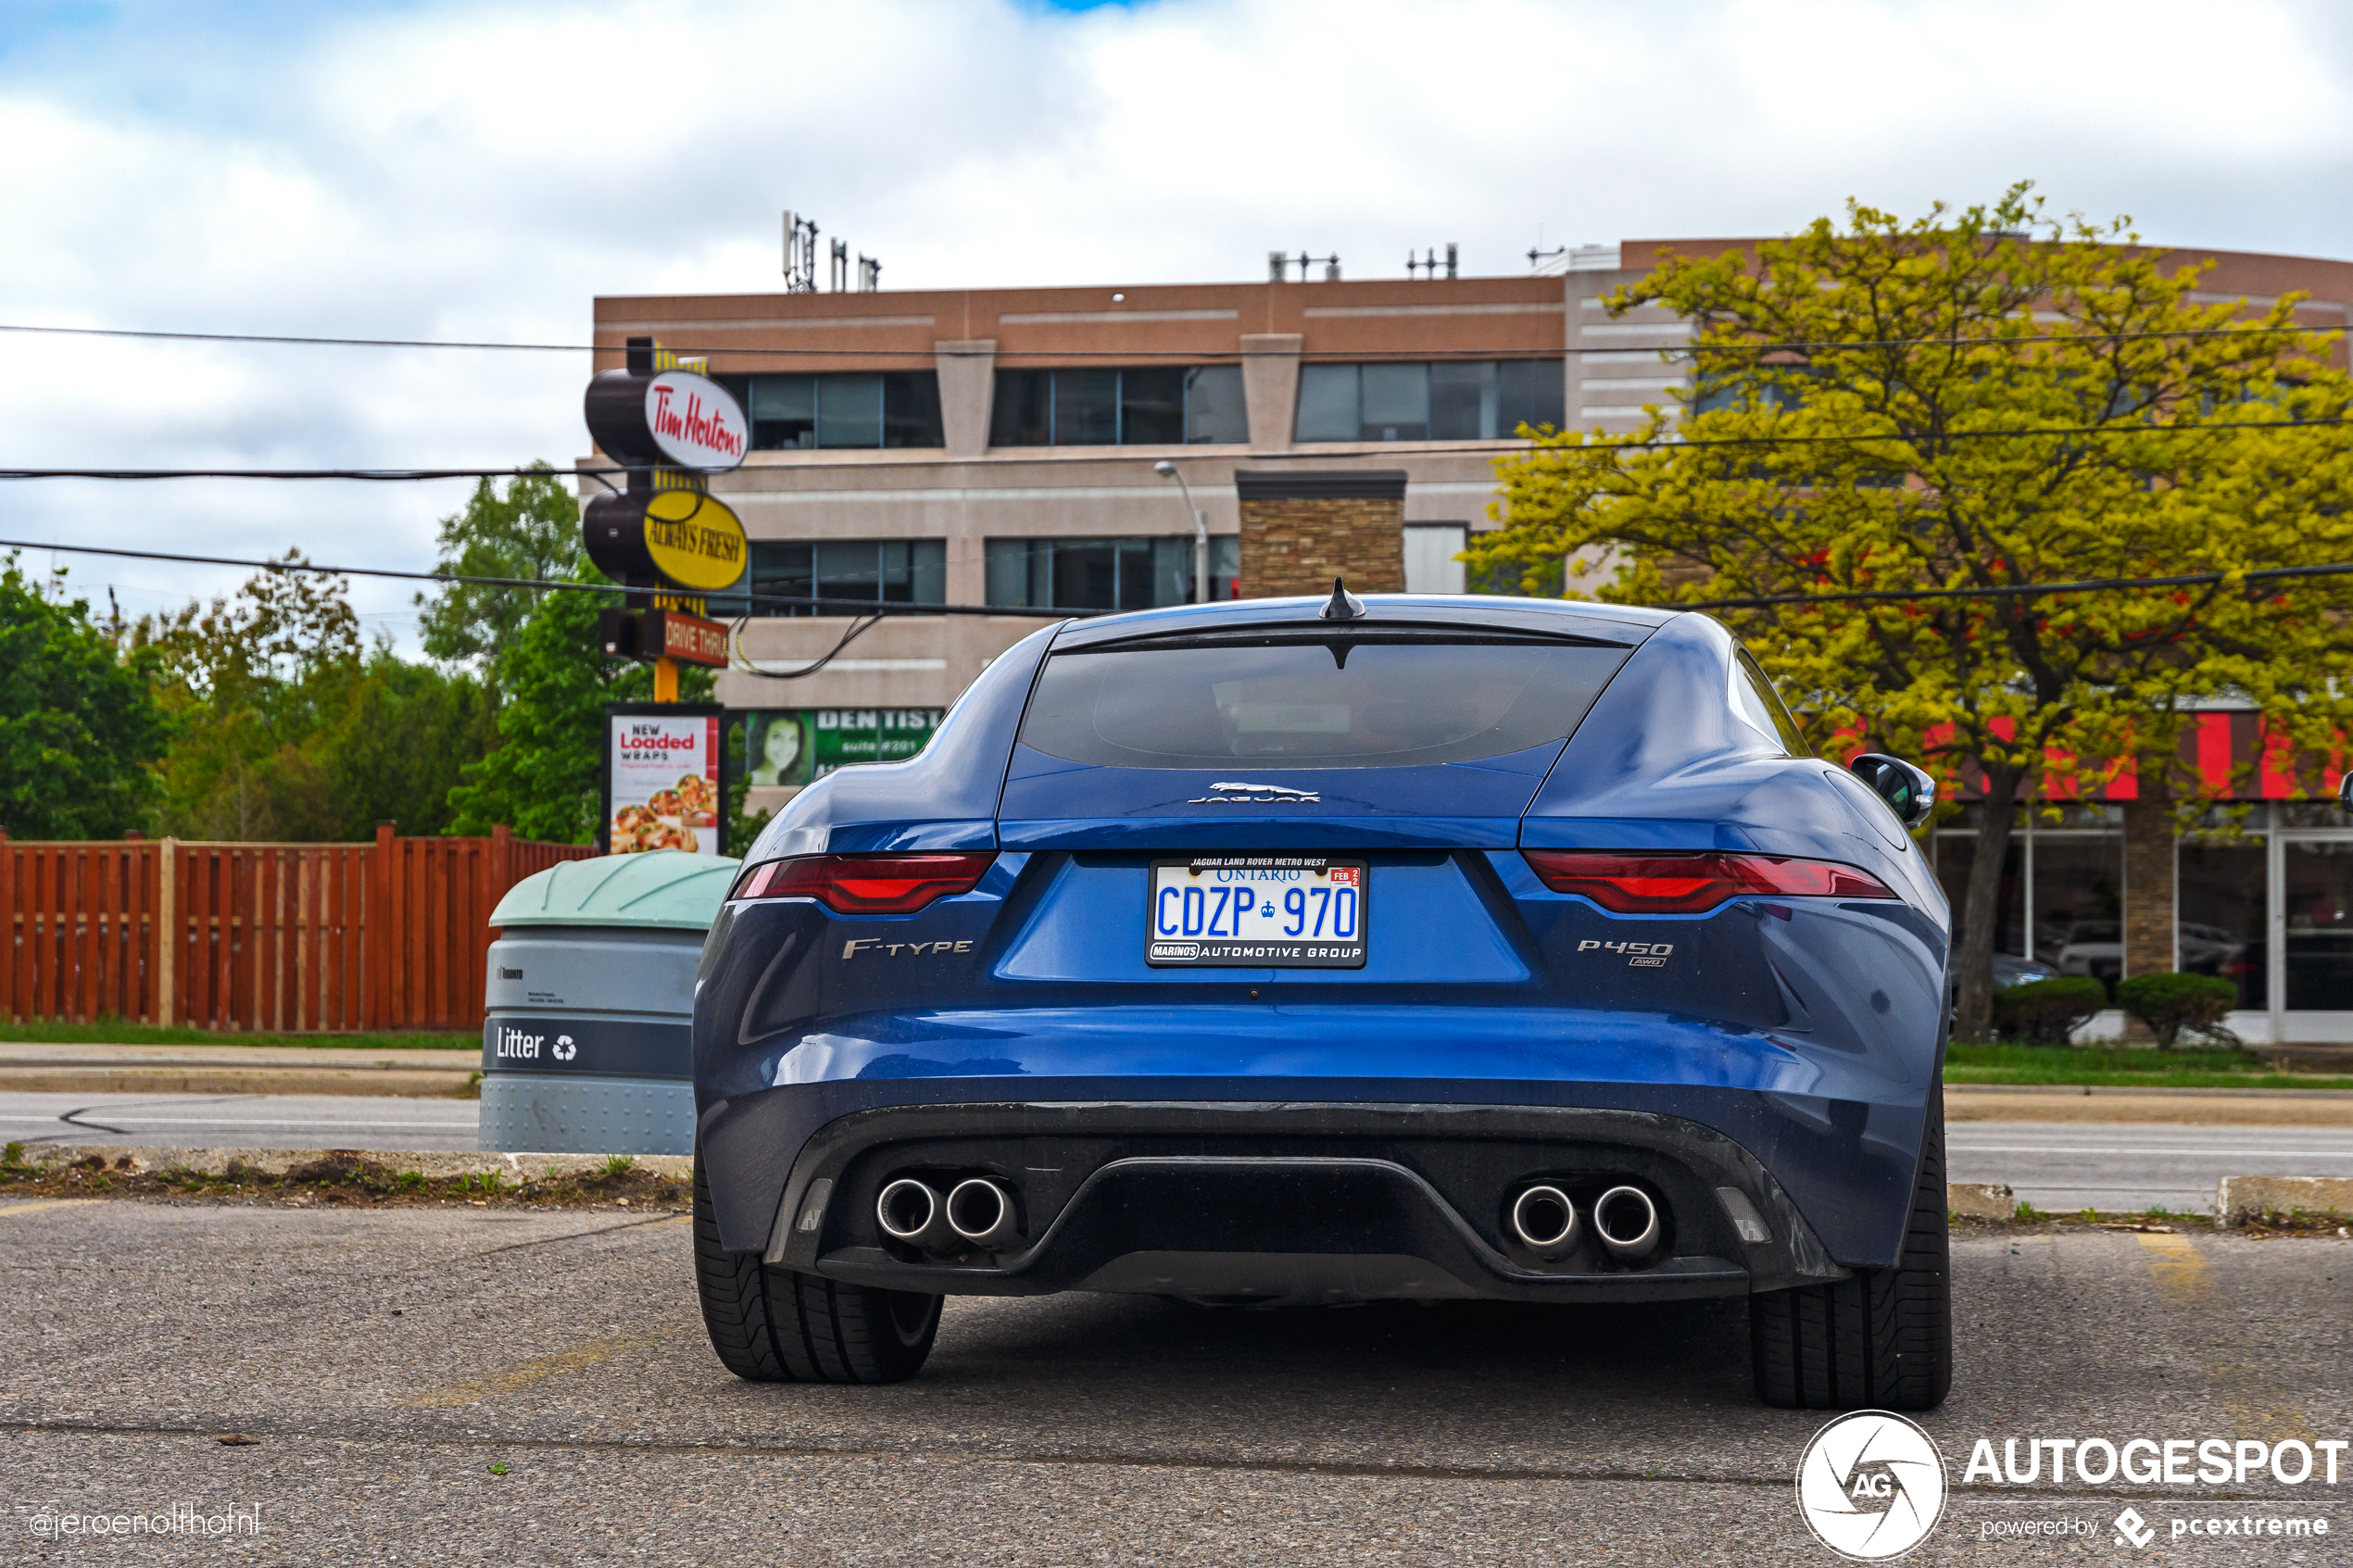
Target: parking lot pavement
(2063, 1167)
(386, 1361)
(240, 1121)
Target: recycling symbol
(564, 1050)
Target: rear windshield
(1327, 703)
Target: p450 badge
(1639, 955)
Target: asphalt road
(2057, 1166)
(2063, 1167)
(240, 1121)
(386, 1361)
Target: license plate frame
(1254, 947)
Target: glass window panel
(1328, 405)
(2079, 904)
(1430, 550)
(896, 571)
(1151, 406)
(911, 408)
(783, 412)
(781, 569)
(2317, 894)
(1955, 853)
(1018, 417)
(1173, 569)
(1007, 568)
(1462, 400)
(1225, 566)
(1530, 392)
(1213, 409)
(848, 569)
(1132, 566)
(1086, 408)
(850, 411)
(930, 567)
(2218, 891)
(1396, 402)
(1086, 574)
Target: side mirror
(1909, 793)
(2344, 792)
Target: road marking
(48, 1203)
(2252, 1399)
(524, 1376)
(2118, 1148)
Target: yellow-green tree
(1979, 400)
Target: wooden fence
(323, 937)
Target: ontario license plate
(1257, 911)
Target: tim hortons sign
(672, 417)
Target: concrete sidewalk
(33, 1067)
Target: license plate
(1257, 911)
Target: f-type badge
(1255, 794)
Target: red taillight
(866, 885)
(1690, 882)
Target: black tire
(775, 1326)
(1880, 1340)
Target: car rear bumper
(1285, 1200)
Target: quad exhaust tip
(1545, 1221)
(982, 1212)
(910, 1212)
(1627, 1220)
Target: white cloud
(482, 170)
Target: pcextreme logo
(1871, 1485)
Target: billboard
(794, 745)
(665, 779)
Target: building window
(1137, 573)
(1445, 400)
(898, 572)
(2316, 887)
(1134, 406)
(857, 409)
(2220, 886)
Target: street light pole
(1201, 530)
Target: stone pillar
(1270, 387)
(1302, 528)
(967, 391)
(2149, 887)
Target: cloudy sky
(481, 171)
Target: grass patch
(2125, 1068)
(122, 1032)
(344, 1179)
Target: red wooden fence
(319, 937)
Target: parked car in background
(2095, 948)
(1289, 952)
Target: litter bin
(587, 1048)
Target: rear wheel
(775, 1326)
(1881, 1338)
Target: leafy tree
(531, 531)
(542, 779)
(1977, 400)
(80, 730)
(287, 729)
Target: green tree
(542, 781)
(531, 531)
(80, 728)
(402, 743)
(1978, 400)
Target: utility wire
(1314, 452)
(857, 607)
(1190, 355)
(2180, 580)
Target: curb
(233, 1081)
(278, 1161)
(2236, 1199)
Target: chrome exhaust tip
(982, 1212)
(1545, 1221)
(910, 1212)
(1627, 1220)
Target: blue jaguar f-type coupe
(1295, 951)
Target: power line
(2180, 580)
(859, 606)
(294, 340)
(1317, 452)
